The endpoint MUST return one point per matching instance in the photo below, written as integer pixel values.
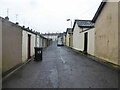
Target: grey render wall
(12, 45)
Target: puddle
(59, 47)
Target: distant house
(52, 36)
(83, 36)
(107, 32)
(60, 37)
(69, 37)
(64, 38)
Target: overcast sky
(48, 15)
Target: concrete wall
(0, 46)
(106, 33)
(78, 39)
(11, 46)
(25, 45)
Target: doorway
(85, 42)
(29, 45)
(69, 42)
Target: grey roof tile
(85, 23)
(69, 30)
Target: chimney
(28, 28)
(23, 26)
(7, 18)
(17, 23)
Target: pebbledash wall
(106, 33)
(11, 45)
(25, 45)
(78, 39)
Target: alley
(63, 68)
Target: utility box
(38, 53)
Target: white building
(28, 44)
(52, 36)
(83, 36)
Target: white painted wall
(25, 45)
(78, 39)
(41, 42)
(91, 39)
(38, 40)
(64, 38)
(33, 43)
(67, 39)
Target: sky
(48, 15)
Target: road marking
(63, 61)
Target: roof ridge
(100, 8)
(82, 20)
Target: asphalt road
(63, 68)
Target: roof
(60, 35)
(51, 34)
(69, 30)
(1, 17)
(84, 23)
(23, 28)
(17, 25)
(99, 10)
